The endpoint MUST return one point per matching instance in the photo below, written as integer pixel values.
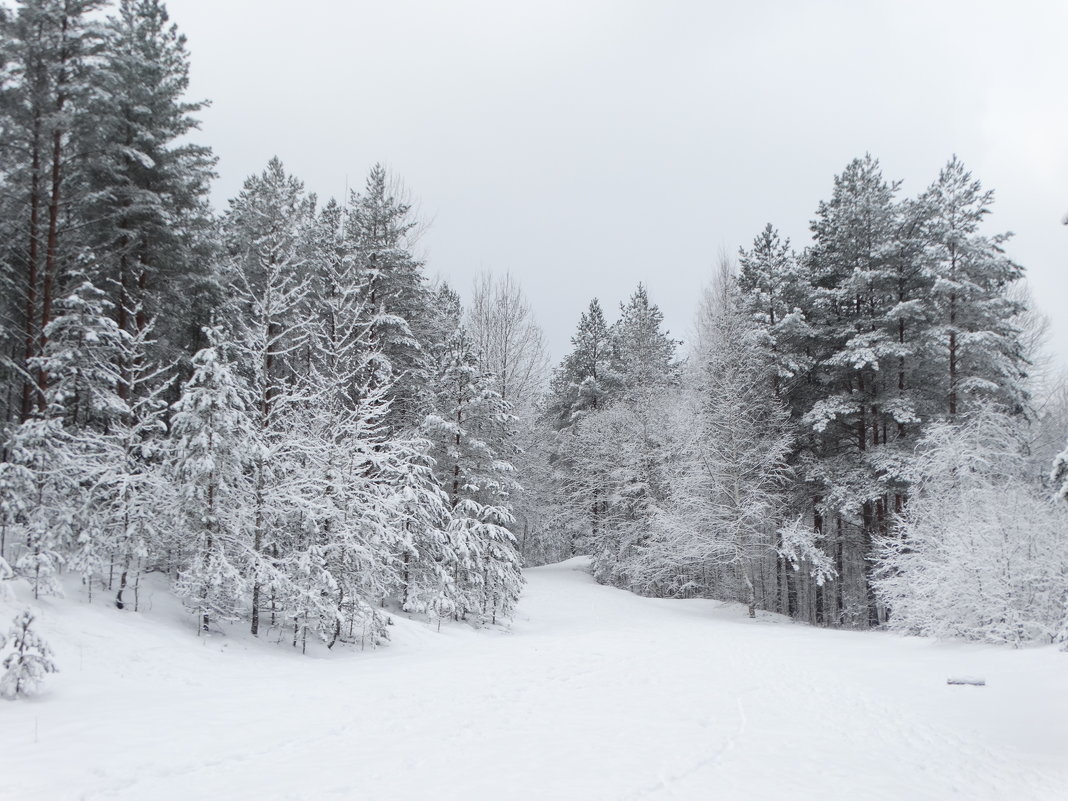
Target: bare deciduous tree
(508, 340)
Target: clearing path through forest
(593, 693)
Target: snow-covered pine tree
(214, 445)
(603, 477)
(775, 289)
(57, 457)
(372, 511)
(974, 336)
(39, 473)
(340, 345)
(429, 560)
(853, 407)
(471, 435)
(81, 364)
(380, 232)
(80, 360)
(859, 326)
(584, 383)
(644, 354)
(29, 662)
(510, 346)
(50, 47)
(586, 379)
(266, 229)
(146, 183)
(339, 560)
(645, 372)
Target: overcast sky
(588, 146)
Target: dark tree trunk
(31, 265)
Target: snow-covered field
(592, 693)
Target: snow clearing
(591, 693)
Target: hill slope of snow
(593, 693)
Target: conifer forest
(277, 413)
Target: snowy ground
(592, 694)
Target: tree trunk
(52, 243)
(31, 265)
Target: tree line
(274, 407)
(860, 434)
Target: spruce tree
(30, 661)
(212, 454)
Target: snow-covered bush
(982, 552)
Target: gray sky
(589, 145)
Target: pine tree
(84, 347)
(471, 437)
(585, 382)
(38, 451)
(974, 337)
(428, 560)
(51, 47)
(80, 361)
(629, 485)
(146, 185)
(212, 452)
(644, 354)
(776, 291)
(380, 231)
(585, 379)
(30, 661)
(336, 560)
(266, 229)
(869, 331)
(854, 410)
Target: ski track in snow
(592, 693)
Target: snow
(592, 693)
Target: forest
(273, 405)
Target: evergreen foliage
(28, 663)
(278, 411)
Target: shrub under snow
(982, 553)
